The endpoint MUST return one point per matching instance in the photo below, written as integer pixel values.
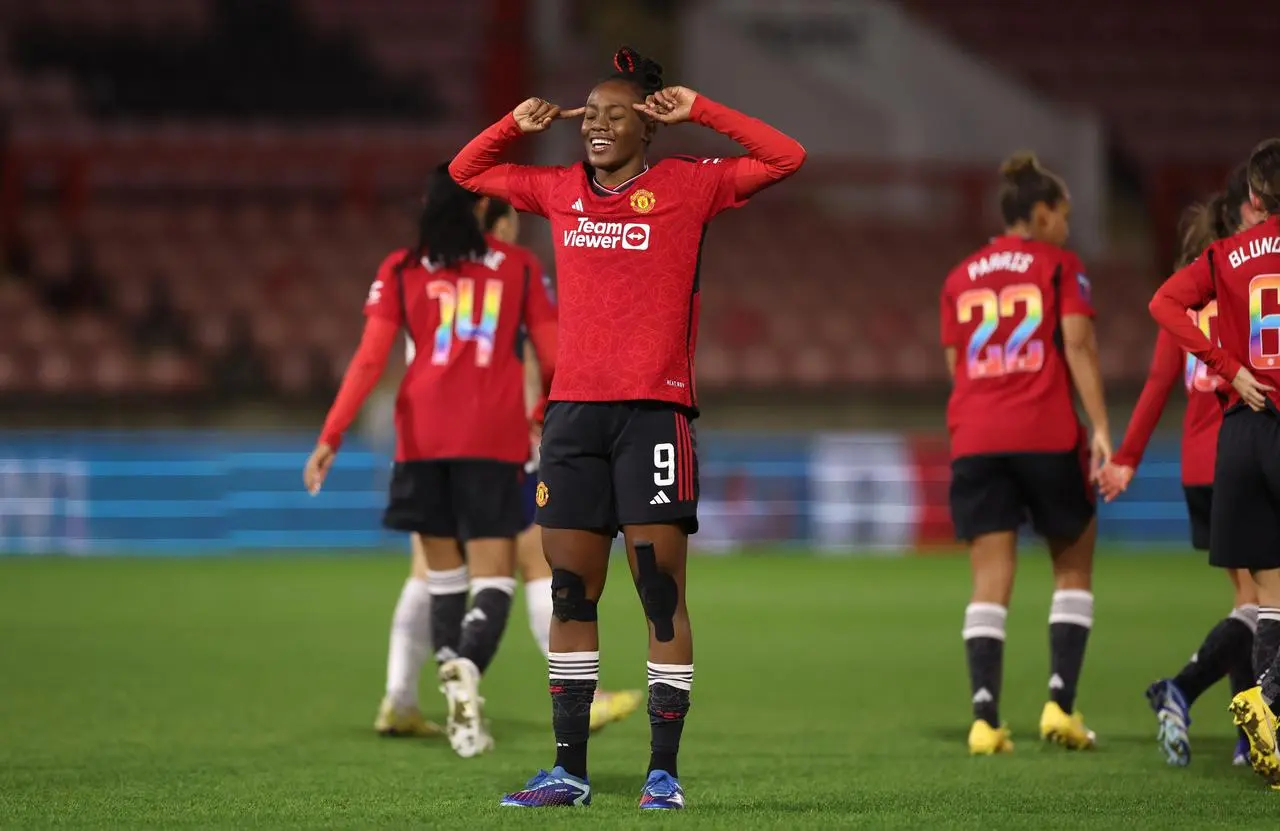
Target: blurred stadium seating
(189, 257)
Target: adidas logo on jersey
(577, 205)
(629, 236)
(660, 499)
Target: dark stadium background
(194, 195)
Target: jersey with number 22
(1001, 311)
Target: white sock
(410, 643)
(537, 597)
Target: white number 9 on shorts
(664, 459)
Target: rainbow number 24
(1019, 352)
(457, 317)
(1264, 321)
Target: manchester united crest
(642, 201)
(541, 495)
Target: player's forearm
(1082, 360)
(772, 154)
(1166, 365)
(545, 339)
(476, 166)
(1170, 311)
(361, 377)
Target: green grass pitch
(831, 693)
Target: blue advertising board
(188, 492)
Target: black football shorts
(610, 464)
(1000, 492)
(466, 499)
(1199, 511)
(1245, 527)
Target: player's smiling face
(613, 131)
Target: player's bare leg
(407, 652)
(607, 706)
(993, 561)
(1254, 709)
(1070, 621)
(492, 568)
(658, 556)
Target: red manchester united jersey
(627, 257)
(1242, 273)
(627, 273)
(1001, 311)
(1200, 425)
(463, 392)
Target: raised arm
(476, 167)
(772, 155)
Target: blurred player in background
(1228, 648)
(1242, 273)
(462, 438)
(618, 449)
(1017, 327)
(503, 222)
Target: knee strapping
(569, 599)
(659, 594)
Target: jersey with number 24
(1002, 310)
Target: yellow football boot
(1067, 730)
(403, 722)
(608, 707)
(1254, 717)
(985, 740)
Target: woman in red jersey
(502, 221)
(1017, 327)
(1228, 648)
(1242, 273)
(618, 447)
(462, 438)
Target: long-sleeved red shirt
(1204, 406)
(463, 394)
(627, 258)
(1242, 273)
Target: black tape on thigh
(658, 592)
(569, 597)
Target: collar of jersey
(601, 190)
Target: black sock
(573, 687)
(1228, 644)
(448, 604)
(484, 624)
(1070, 619)
(1269, 636)
(1266, 642)
(668, 706)
(984, 651)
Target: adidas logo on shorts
(660, 499)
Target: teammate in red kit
(1228, 648)
(462, 432)
(1242, 273)
(1017, 327)
(618, 447)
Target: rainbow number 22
(1264, 321)
(1019, 353)
(457, 317)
